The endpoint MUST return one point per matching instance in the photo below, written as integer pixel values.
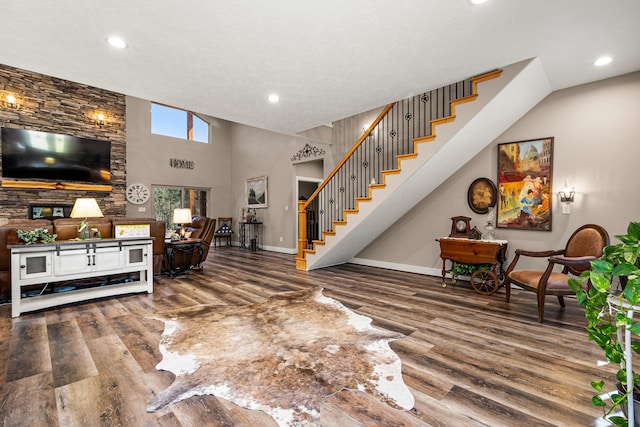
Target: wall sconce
(10, 101)
(566, 198)
(567, 193)
(100, 119)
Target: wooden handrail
(358, 143)
(302, 205)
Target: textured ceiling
(326, 59)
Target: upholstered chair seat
(584, 245)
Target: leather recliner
(202, 228)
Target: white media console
(45, 263)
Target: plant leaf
(618, 421)
(599, 281)
(597, 401)
(633, 230)
(602, 265)
(624, 269)
(632, 292)
(635, 328)
(621, 376)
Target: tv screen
(29, 154)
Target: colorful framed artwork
(256, 192)
(524, 184)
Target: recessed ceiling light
(116, 41)
(604, 60)
(273, 98)
(477, 1)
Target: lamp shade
(182, 216)
(86, 208)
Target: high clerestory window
(169, 121)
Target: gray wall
(257, 152)
(235, 152)
(595, 130)
(596, 133)
(149, 156)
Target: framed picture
(524, 184)
(256, 192)
(51, 212)
(482, 195)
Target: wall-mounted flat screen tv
(29, 154)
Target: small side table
(180, 254)
(251, 235)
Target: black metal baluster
(393, 135)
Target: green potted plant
(38, 235)
(463, 269)
(608, 302)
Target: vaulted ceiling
(325, 59)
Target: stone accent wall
(50, 104)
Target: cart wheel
(484, 282)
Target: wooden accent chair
(584, 245)
(225, 223)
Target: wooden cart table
(489, 254)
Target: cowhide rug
(283, 356)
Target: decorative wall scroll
(307, 151)
(524, 184)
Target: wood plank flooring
(469, 359)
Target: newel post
(302, 235)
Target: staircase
(394, 166)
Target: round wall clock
(138, 194)
(481, 195)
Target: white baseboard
(400, 267)
(290, 251)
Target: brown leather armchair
(584, 245)
(202, 228)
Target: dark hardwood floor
(469, 359)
